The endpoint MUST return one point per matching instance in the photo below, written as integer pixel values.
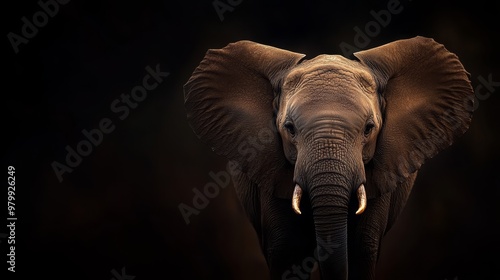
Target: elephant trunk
(329, 203)
(330, 174)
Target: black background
(119, 207)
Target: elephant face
(344, 126)
(326, 98)
(329, 101)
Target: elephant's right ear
(229, 102)
(428, 105)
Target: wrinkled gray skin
(328, 124)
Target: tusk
(297, 195)
(361, 199)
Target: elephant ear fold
(428, 104)
(229, 103)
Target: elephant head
(348, 129)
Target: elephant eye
(290, 128)
(368, 128)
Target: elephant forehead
(313, 101)
(330, 72)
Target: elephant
(326, 149)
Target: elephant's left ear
(428, 104)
